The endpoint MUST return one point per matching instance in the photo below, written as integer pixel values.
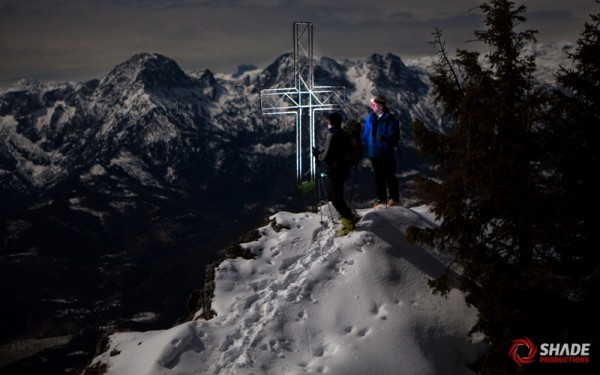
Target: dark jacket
(381, 136)
(336, 149)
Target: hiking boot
(392, 203)
(379, 203)
(347, 227)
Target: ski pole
(383, 169)
(352, 187)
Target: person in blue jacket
(380, 136)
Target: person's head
(378, 104)
(335, 119)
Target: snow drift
(312, 302)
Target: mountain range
(152, 171)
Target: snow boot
(347, 227)
(379, 203)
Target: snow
(134, 167)
(279, 149)
(364, 86)
(312, 302)
(75, 205)
(43, 117)
(37, 166)
(97, 170)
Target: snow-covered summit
(312, 302)
(150, 69)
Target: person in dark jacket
(380, 136)
(335, 155)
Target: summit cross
(303, 101)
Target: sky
(77, 40)
(312, 302)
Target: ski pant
(386, 183)
(337, 179)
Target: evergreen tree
(574, 156)
(497, 185)
(572, 161)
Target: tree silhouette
(500, 179)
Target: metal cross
(303, 100)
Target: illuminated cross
(303, 100)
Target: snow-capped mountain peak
(151, 70)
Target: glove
(315, 152)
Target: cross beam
(303, 100)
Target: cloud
(58, 39)
(158, 4)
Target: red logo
(519, 358)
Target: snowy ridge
(149, 106)
(314, 303)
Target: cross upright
(303, 101)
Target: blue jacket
(386, 138)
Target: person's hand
(315, 152)
(382, 137)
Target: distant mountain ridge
(105, 179)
